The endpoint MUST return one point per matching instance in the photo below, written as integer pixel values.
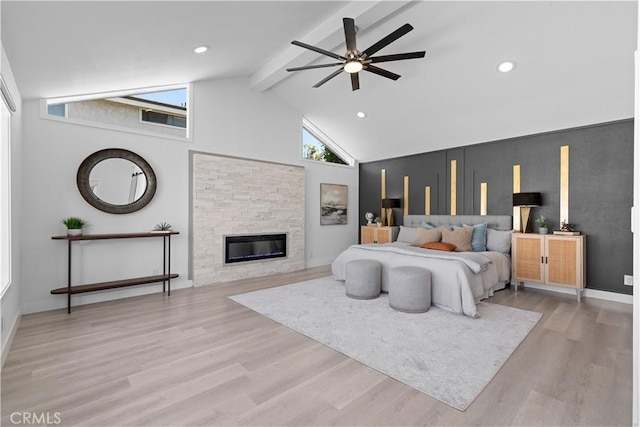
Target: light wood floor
(198, 358)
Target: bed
(459, 280)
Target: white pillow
(499, 240)
(407, 234)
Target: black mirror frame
(82, 179)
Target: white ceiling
(574, 61)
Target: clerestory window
(319, 147)
(159, 111)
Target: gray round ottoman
(410, 289)
(362, 279)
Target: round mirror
(116, 181)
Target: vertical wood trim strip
(427, 200)
(406, 195)
(453, 186)
(516, 189)
(564, 183)
(383, 194)
(483, 198)
(473, 190)
(437, 193)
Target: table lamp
(526, 201)
(388, 205)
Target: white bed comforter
(459, 280)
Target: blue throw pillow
(479, 237)
(427, 226)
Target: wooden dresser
(375, 234)
(549, 259)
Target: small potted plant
(74, 225)
(543, 225)
(378, 221)
(163, 227)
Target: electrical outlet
(628, 280)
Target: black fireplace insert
(254, 247)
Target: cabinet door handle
(542, 260)
(546, 260)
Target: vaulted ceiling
(574, 61)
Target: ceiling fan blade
(317, 49)
(379, 71)
(355, 81)
(397, 57)
(329, 77)
(388, 39)
(350, 33)
(311, 67)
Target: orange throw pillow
(440, 246)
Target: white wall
(324, 242)
(232, 120)
(10, 305)
(228, 119)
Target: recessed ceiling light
(361, 114)
(506, 66)
(201, 49)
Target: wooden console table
(165, 277)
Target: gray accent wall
(600, 187)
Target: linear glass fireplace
(254, 247)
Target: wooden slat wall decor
(454, 184)
(383, 194)
(516, 189)
(406, 195)
(427, 200)
(564, 183)
(483, 198)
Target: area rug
(448, 356)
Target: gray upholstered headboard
(498, 222)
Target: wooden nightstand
(375, 234)
(549, 259)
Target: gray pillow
(407, 234)
(499, 240)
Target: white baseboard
(12, 334)
(588, 293)
(60, 301)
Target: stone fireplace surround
(235, 196)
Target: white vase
(74, 232)
(543, 230)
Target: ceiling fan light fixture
(506, 66)
(353, 67)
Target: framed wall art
(333, 204)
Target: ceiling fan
(354, 61)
